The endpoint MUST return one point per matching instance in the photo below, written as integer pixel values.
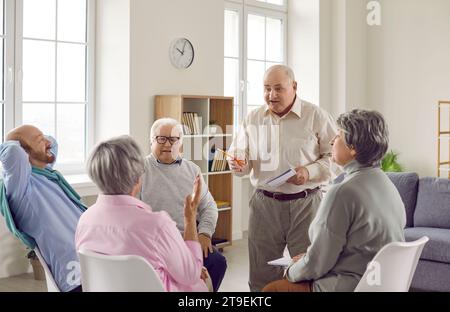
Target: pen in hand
(238, 161)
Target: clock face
(181, 53)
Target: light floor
(235, 279)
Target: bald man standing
(41, 202)
(285, 133)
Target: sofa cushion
(437, 248)
(407, 185)
(433, 203)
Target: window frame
(17, 108)
(8, 67)
(235, 6)
(246, 7)
(270, 6)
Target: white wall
(400, 68)
(133, 64)
(409, 71)
(112, 69)
(304, 47)
(154, 24)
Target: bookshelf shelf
(218, 172)
(189, 136)
(208, 124)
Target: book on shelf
(191, 123)
(222, 204)
(219, 162)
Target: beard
(46, 157)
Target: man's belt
(286, 197)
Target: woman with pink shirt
(120, 224)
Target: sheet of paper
(283, 262)
(281, 179)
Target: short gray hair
(116, 165)
(366, 132)
(286, 69)
(165, 122)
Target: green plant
(389, 163)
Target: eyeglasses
(163, 140)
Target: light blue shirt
(42, 210)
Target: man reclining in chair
(43, 206)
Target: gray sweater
(165, 187)
(356, 218)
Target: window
(53, 62)
(232, 64)
(2, 63)
(278, 2)
(254, 40)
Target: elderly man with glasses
(168, 177)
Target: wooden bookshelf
(443, 161)
(213, 116)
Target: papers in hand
(281, 179)
(282, 262)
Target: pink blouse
(124, 225)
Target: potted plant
(38, 270)
(389, 163)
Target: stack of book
(222, 204)
(219, 162)
(191, 123)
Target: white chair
(392, 268)
(51, 284)
(117, 273)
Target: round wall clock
(181, 53)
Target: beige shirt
(272, 144)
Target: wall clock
(181, 53)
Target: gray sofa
(427, 204)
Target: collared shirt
(356, 218)
(42, 210)
(124, 225)
(165, 187)
(273, 144)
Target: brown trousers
(286, 286)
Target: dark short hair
(366, 132)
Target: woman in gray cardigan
(356, 218)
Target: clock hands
(184, 46)
(182, 53)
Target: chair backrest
(127, 273)
(51, 283)
(392, 268)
